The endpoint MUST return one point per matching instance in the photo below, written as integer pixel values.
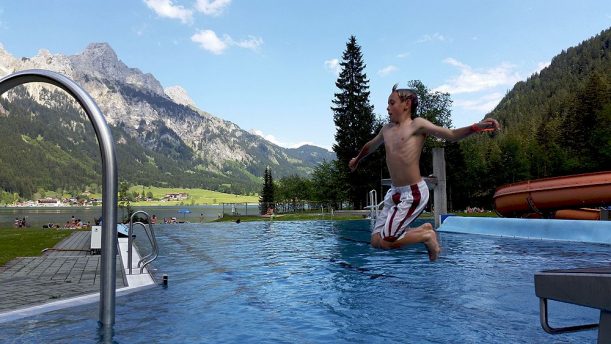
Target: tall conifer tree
(266, 200)
(355, 123)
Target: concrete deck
(65, 276)
(66, 271)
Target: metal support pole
(109, 177)
(439, 171)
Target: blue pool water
(321, 282)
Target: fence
(253, 209)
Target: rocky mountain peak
(179, 95)
(100, 51)
(46, 60)
(100, 61)
(7, 62)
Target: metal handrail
(543, 318)
(109, 178)
(372, 204)
(149, 233)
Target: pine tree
(356, 124)
(266, 200)
(582, 122)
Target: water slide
(569, 197)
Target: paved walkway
(66, 271)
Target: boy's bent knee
(427, 226)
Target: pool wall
(565, 230)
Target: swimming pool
(320, 281)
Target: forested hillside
(54, 148)
(555, 123)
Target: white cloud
(208, 40)
(212, 7)
(470, 80)
(270, 138)
(483, 104)
(482, 89)
(402, 55)
(334, 66)
(299, 144)
(542, 65)
(430, 38)
(274, 140)
(140, 29)
(165, 8)
(387, 70)
(252, 43)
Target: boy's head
(406, 94)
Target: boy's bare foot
(432, 246)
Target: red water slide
(567, 197)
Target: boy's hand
(488, 124)
(353, 164)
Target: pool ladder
(373, 205)
(150, 233)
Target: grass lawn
(196, 196)
(28, 242)
(484, 214)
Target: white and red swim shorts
(402, 205)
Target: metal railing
(150, 233)
(109, 178)
(543, 318)
(373, 205)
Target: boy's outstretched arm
(488, 124)
(367, 149)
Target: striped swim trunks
(402, 205)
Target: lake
(37, 216)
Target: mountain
(162, 138)
(313, 154)
(555, 123)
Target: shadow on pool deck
(66, 271)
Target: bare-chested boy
(403, 138)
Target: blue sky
(270, 65)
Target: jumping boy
(403, 138)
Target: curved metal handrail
(149, 233)
(543, 318)
(130, 237)
(109, 177)
(154, 251)
(372, 204)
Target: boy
(403, 138)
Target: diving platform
(588, 287)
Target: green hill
(557, 122)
